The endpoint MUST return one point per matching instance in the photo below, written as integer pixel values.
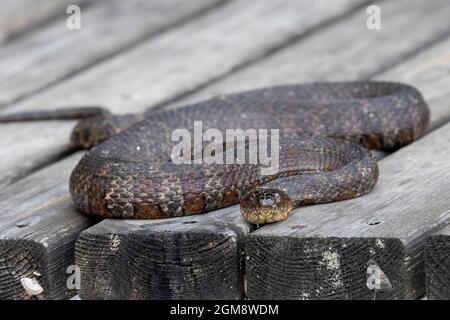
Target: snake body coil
(130, 175)
(324, 129)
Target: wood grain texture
(437, 270)
(20, 16)
(22, 152)
(38, 230)
(429, 72)
(180, 60)
(199, 257)
(54, 52)
(170, 64)
(348, 51)
(323, 251)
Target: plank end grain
(197, 257)
(437, 257)
(21, 259)
(324, 268)
(38, 230)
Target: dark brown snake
(324, 129)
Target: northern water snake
(129, 172)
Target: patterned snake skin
(129, 173)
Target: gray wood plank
(193, 55)
(20, 16)
(437, 268)
(429, 72)
(20, 151)
(54, 52)
(324, 251)
(38, 230)
(199, 257)
(349, 51)
(168, 65)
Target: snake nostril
(189, 222)
(373, 223)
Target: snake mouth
(262, 206)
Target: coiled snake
(324, 131)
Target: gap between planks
(38, 232)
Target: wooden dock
(161, 54)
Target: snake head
(262, 206)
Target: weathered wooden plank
(349, 51)
(38, 230)
(429, 72)
(437, 259)
(199, 257)
(20, 151)
(20, 16)
(324, 251)
(54, 52)
(171, 64)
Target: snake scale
(325, 132)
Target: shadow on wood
(38, 229)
